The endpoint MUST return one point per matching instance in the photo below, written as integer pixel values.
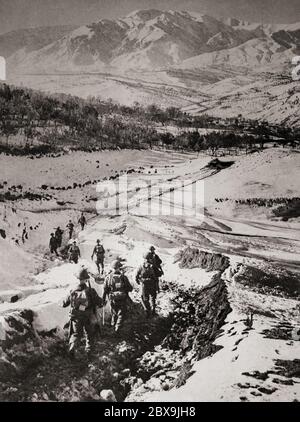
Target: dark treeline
(46, 123)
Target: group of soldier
(84, 300)
(56, 240)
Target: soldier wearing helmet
(83, 300)
(117, 288)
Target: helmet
(83, 274)
(98, 240)
(152, 248)
(116, 265)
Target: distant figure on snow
(53, 244)
(74, 253)
(82, 221)
(99, 252)
(70, 227)
(58, 236)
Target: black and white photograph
(149, 203)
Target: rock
(154, 384)
(7, 370)
(85, 383)
(108, 395)
(34, 397)
(45, 396)
(166, 386)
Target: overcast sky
(16, 14)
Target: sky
(15, 14)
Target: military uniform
(156, 262)
(83, 300)
(117, 287)
(74, 253)
(99, 251)
(70, 226)
(58, 236)
(82, 221)
(147, 278)
(53, 245)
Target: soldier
(83, 300)
(156, 262)
(116, 288)
(53, 244)
(70, 226)
(82, 221)
(147, 278)
(99, 251)
(58, 236)
(74, 253)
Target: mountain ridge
(145, 39)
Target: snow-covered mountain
(224, 67)
(154, 39)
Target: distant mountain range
(152, 39)
(203, 59)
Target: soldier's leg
(98, 265)
(153, 301)
(121, 315)
(145, 300)
(89, 334)
(77, 332)
(101, 262)
(157, 285)
(113, 313)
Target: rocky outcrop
(194, 257)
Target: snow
(82, 31)
(130, 235)
(216, 378)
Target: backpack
(99, 250)
(79, 300)
(158, 271)
(147, 274)
(74, 250)
(117, 286)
